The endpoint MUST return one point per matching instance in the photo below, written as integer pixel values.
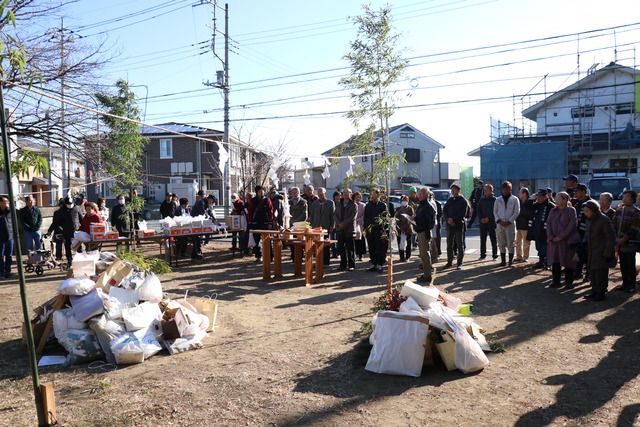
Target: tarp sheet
(523, 161)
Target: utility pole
(60, 34)
(222, 82)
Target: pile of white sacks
(399, 338)
(122, 316)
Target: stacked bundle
(121, 314)
(401, 338)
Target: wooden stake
(49, 404)
(389, 274)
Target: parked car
(442, 195)
(151, 210)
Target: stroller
(39, 259)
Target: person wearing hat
(570, 183)
(626, 224)
(538, 229)
(602, 249)
(168, 207)
(475, 197)
(581, 197)
(550, 195)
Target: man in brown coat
(345, 216)
(601, 238)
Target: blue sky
(450, 86)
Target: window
(577, 112)
(365, 159)
(166, 149)
(626, 108)
(412, 155)
(624, 165)
(407, 135)
(207, 147)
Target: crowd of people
(576, 237)
(572, 233)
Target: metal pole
(8, 176)
(227, 173)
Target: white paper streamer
(325, 173)
(351, 165)
(223, 156)
(306, 177)
(272, 174)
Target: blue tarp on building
(523, 161)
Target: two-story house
(588, 129)
(421, 167)
(177, 156)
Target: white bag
(468, 355)
(403, 242)
(252, 240)
(76, 286)
(82, 236)
(423, 295)
(148, 341)
(151, 289)
(358, 232)
(141, 316)
(127, 349)
(399, 341)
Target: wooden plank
(297, 259)
(57, 305)
(308, 261)
(48, 404)
(277, 258)
(266, 257)
(319, 247)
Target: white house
(422, 166)
(587, 128)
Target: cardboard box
(236, 222)
(196, 230)
(98, 228)
(185, 230)
(174, 322)
(84, 263)
(146, 233)
(113, 235)
(175, 231)
(207, 229)
(99, 236)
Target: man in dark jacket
(425, 220)
(322, 214)
(6, 237)
(31, 220)
(476, 195)
(374, 214)
(581, 197)
(538, 226)
(55, 229)
(487, 222)
(455, 210)
(120, 217)
(168, 208)
(199, 208)
(260, 217)
(601, 250)
(522, 226)
(345, 218)
(70, 220)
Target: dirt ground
(287, 355)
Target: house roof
(406, 127)
(177, 127)
(531, 112)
